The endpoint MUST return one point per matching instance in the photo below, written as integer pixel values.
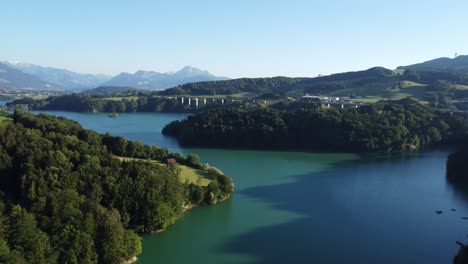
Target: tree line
(384, 126)
(98, 103)
(66, 198)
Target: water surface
(295, 207)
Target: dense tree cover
(440, 93)
(457, 64)
(113, 90)
(323, 88)
(392, 125)
(430, 77)
(291, 105)
(457, 166)
(276, 84)
(99, 103)
(66, 198)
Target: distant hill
(110, 90)
(12, 78)
(151, 80)
(458, 64)
(67, 79)
(378, 77)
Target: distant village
(337, 102)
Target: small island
(113, 115)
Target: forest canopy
(66, 198)
(385, 126)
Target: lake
(297, 207)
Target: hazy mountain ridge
(69, 80)
(12, 78)
(280, 84)
(190, 80)
(152, 80)
(458, 64)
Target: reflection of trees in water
(457, 172)
(457, 178)
(461, 188)
(343, 237)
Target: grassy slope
(461, 87)
(4, 120)
(373, 93)
(120, 98)
(187, 175)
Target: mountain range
(67, 79)
(15, 75)
(151, 80)
(11, 78)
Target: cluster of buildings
(328, 102)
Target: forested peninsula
(71, 195)
(99, 103)
(384, 126)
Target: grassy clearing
(120, 98)
(461, 87)
(190, 175)
(187, 174)
(369, 100)
(406, 84)
(5, 120)
(384, 91)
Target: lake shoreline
(274, 188)
(186, 210)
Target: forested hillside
(457, 64)
(385, 126)
(66, 198)
(448, 90)
(377, 78)
(88, 103)
(322, 85)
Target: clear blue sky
(235, 38)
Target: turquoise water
(296, 207)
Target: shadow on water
(460, 189)
(379, 209)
